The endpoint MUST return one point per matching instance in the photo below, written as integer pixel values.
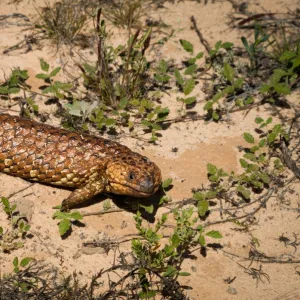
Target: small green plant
(66, 219)
(126, 13)
(13, 238)
(257, 47)
(56, 88)
(62, 22)
(283, 79)
(187, 84)
(18, 265)
(233, 87)
(259, 163)
(154, 259)
(15, 82)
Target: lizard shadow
(147, 206)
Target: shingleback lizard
(59, 157)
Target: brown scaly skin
(89, 164)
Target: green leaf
(248, 138)
(239, 102)
(166, 183)
(164, 199)
(201, 240)
(287, 55)
(258, 120)
(188, 86)
(264, 88)
(262, 143)
(175, 240)
(208, 105)
(221, 173)
(170, 272)
(4, 90)
(16, 262)
(55, 72)
(212, 52)
(64, 226)
(210, 195)
(269, 120)
(254, 149)
(189, 100)
(282, 88)
(146, 123)
(42, 76)
(277, 129)
(190, 69)
(214, 178)
(271, 137)
(76, 215)
(32, 104)
(249, 100)
(250, 156)
(199, 55)
(218, 45)
(25, 261)
(192, 60)
(44, 65)
(179, 78)
(49, 89)
(214, 234)
(253, 167)
(243, 163)
(123, 103)
(187, 46)
(13, 90)
(6, 204)
(202, 207)
(228, 72)
(110, 122)
(59, 215)
(26, 227)
(264, 177)
(211, 169)
(246, 193)
(184, 274)
(148, 209)
(162, 113)
(163, 66)
(215, 116)
(278, 74)
(198, 196)
(162, 78)
(296, 63)
(227, 45)
(246, 45)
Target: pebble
(231, 291)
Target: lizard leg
(82, 194)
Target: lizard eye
(131, 176)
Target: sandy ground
(198, 143)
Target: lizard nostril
(131, 176)
(146, 185)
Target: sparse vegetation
(13, 237)
(63, 22)
(119, 90)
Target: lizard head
(133, 175)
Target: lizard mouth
(139, 191)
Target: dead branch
(203, 41)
